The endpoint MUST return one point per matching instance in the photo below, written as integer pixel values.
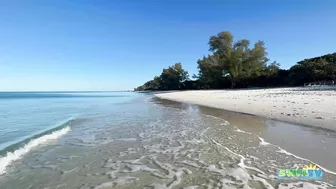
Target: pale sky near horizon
(120, 44)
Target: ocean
(134, 140)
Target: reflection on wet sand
(315, 144)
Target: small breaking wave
(262, 141)
(18, 150)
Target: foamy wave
(190, 187)
(241, 131)
(262, 141)
(17, 154)
(298, 157)
(225, 123)
(301, 185)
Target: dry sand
(307, 106)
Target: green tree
(310, 70)
(173, 77)
(209, 72)
(239, 64)
(272, 69)
(236, 59)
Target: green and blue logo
(309, 172)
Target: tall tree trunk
(233, 83)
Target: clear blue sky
(120, 44)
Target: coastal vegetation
(238, 64)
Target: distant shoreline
(305, 106)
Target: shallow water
(151, 143)
(25, 114)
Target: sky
(82, 45)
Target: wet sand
(315, 144)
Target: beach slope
(307, 106)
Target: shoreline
(303, 106)
(288, 138)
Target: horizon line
(65, 91)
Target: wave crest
(18, 153)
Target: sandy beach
(307, 106)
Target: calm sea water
(24, 115)
(133, 140)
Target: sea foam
(19, 153)
(298, 157)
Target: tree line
(238, 64)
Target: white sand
(297, 105)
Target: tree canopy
(171, 78)
(238, 64)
